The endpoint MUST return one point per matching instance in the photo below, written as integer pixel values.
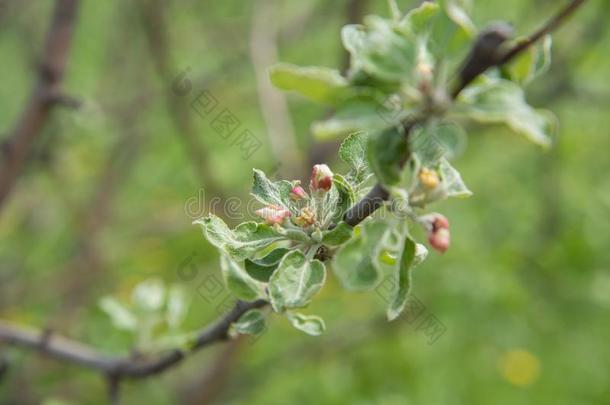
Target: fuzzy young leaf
(418, 20)
(452, 183)
(345, 197)
(449, 32)
(319, 84)
(531, 63)
(295, 281)
(385, 151)
(353, 152)
(250, 323)
(384, 52)
(270, 193)
(310, 324)
(121, 317)
(241, 242)
(261, 269)
(436, 140)
(353, 265)
(493, 100)
(238, 281)
(408, 256)
(353, 117)
(338, 235)
(456, 10)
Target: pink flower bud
(440, 239)
(273, 214)
(297, 193)
(437, 226)
(321, 178)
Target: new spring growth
(297, 192)
(321, 179)
(273, 214)
(437, 226)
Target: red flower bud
(297, 193)
(440, 240)
(437, 226)
(321, 178)
(273, 214)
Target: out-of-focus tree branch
(61, 348)
(154, 21)
(46, 94)
(263, 51)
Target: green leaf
(418, 20)
(353, 37)
(177, 307)
(456, 10)
(385, 151)
(295, 281)
(353, 265)
(353, 117)
(319, 84)
(149, 295)
(410, 255)
(353, 152)
(238, 281)
(436, 140)
(242, 242)
(387, 54)
(338, 235)
(261, 269)
(270, 193)
(449, 33)
(121, 317)
(345, 197)
(310, 324)
(250, 323)
(531, 63)
(492, 100)
(452, 183)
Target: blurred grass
(528, 270)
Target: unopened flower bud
(428, 178)
(437, 226)
(273, 214)
(297, 193)
(440, 239)
(321, 178)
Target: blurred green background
(109, 194)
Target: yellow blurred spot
(429, 178)
(519, 367)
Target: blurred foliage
(524, 291)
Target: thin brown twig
(45, 95)
(546, 29)
(72, 351)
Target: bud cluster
(320, 183)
